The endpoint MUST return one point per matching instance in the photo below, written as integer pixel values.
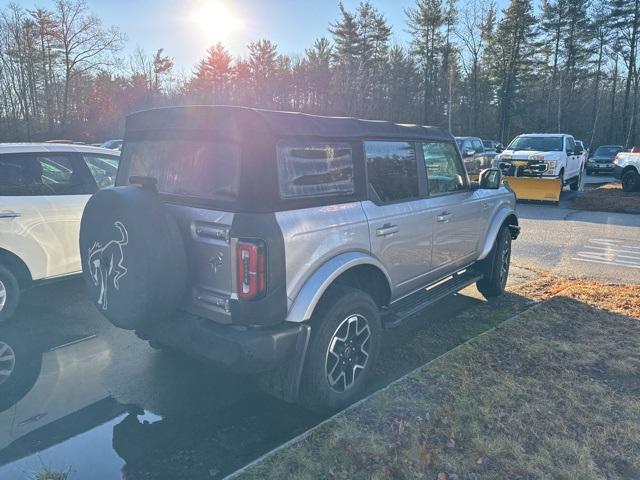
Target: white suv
(43, 190)
(543, 155)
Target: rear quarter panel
(312, 236)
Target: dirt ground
(608, 198)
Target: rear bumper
(238, 349)
(601, 167)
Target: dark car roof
(238, 121)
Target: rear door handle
(387, 229)
(485, 204)
(444, 217)
(8, 214)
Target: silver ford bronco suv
(285, 244)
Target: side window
(392, 169)
(571, 145)
(467, 145)
(103, 168)
(445, 173)
(315, 169)
(477, 145)
(44, 174)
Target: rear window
(606, 150)
(208, 170)
(315, 169)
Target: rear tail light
(251, 271)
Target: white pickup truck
(543, 155)
(626, 167)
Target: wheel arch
(17, 266)
(356, 269)
(503, 217)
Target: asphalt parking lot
(105, 405)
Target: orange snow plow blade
(534, 188)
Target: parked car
(271, 241)
(475, 157)
(43, 190)
(602, 159)
(543, 155)
(492, 146)
(626, 167)
(113, 144)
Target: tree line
(557, 66)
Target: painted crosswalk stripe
(613, 250)
(621, 253)
(605, 262)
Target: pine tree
(263, 56)
(511, 53)
(425, 23)
(212, 77)
(625, 16)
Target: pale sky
(184, 30)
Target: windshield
(190, 168)
(608, 151)
(537, 144)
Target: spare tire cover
(133, 256)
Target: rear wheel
(630, 181)
(9, 293)
(345, 341)
(495, 267)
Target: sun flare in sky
(216, 20)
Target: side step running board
(414, 303)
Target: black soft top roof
(241, 121)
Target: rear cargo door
(207, 240)
(198, 177)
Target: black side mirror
(499, 149)
(490, 179)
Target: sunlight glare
(216, 20)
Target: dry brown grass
(553, 393)
(608, 198)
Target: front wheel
(9, 293)
(630, 181)
(345, 342)
(495, 268)
(575, 184)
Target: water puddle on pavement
(107, 406)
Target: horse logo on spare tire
(106, 264)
